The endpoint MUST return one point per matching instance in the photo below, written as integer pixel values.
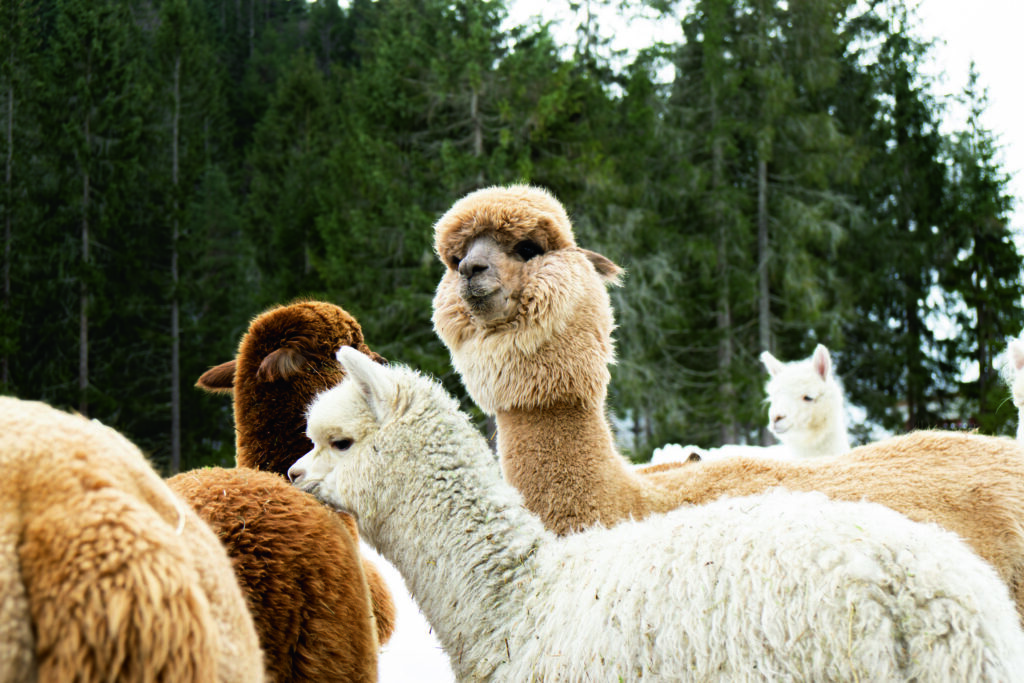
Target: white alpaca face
(804, 399)
(795, 402)
(338, 469)
(1016, 360)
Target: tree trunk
(83, 317)
(5, 370)
(478, 133)
(723, 315)
(764, 318)
(175, 323)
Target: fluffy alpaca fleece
(1015, 378)
(285, 358)
(540, 366)
(831, 591)
(104, 573)
(299, 564)
(805, 405)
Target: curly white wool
(782, 586)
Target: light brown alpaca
(105, 575)
(528, 321)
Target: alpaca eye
(341, 444)
(527, 249)
(809, 399)
(454, 262)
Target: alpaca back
(120, 579)
(831, 590)
(299, 564)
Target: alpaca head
(524, 312)
(284, 360)
(805, 400)
(1016, 365)
(368, 430)
(1015, 378)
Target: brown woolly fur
(105, 575)
(519, 211)
(284, 360)
(539, 364)
(281, 540)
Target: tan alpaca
(105, 575)
(528, 321)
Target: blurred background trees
(778, 178)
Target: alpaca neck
(464, 551)
(831, 441)
(563, 459)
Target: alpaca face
(488, 277)
(804, 398)
(523, 310)
(341, 427)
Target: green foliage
(788, 185)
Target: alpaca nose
(472, 265)
(296, 474)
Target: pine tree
(897, 373)
(95, 70)
(20, 47)
(982, 271)
(189, 102)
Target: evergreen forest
(776, 179)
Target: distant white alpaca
(781, 586)
(1016, 379)
(805, 405)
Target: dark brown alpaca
(321, 609)
(284, 360)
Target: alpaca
(284, 359)
(531, 338)
(830, 590)
(1015, 351)
(299, 564)
(104, 573)
(330, 627)
(805, 405)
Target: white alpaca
(782, 586)
(805, 405)
(1015, 352)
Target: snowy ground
(413, 653)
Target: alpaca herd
(902, 559)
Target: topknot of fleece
(512, 213)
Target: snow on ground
(676, 453)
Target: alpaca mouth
(484, 302)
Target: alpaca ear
(1017, 354)
(821, 361)
(218, 379)
(372, 355)
(373, 381)
(282, 364)
(771, 363)
(604, 266)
